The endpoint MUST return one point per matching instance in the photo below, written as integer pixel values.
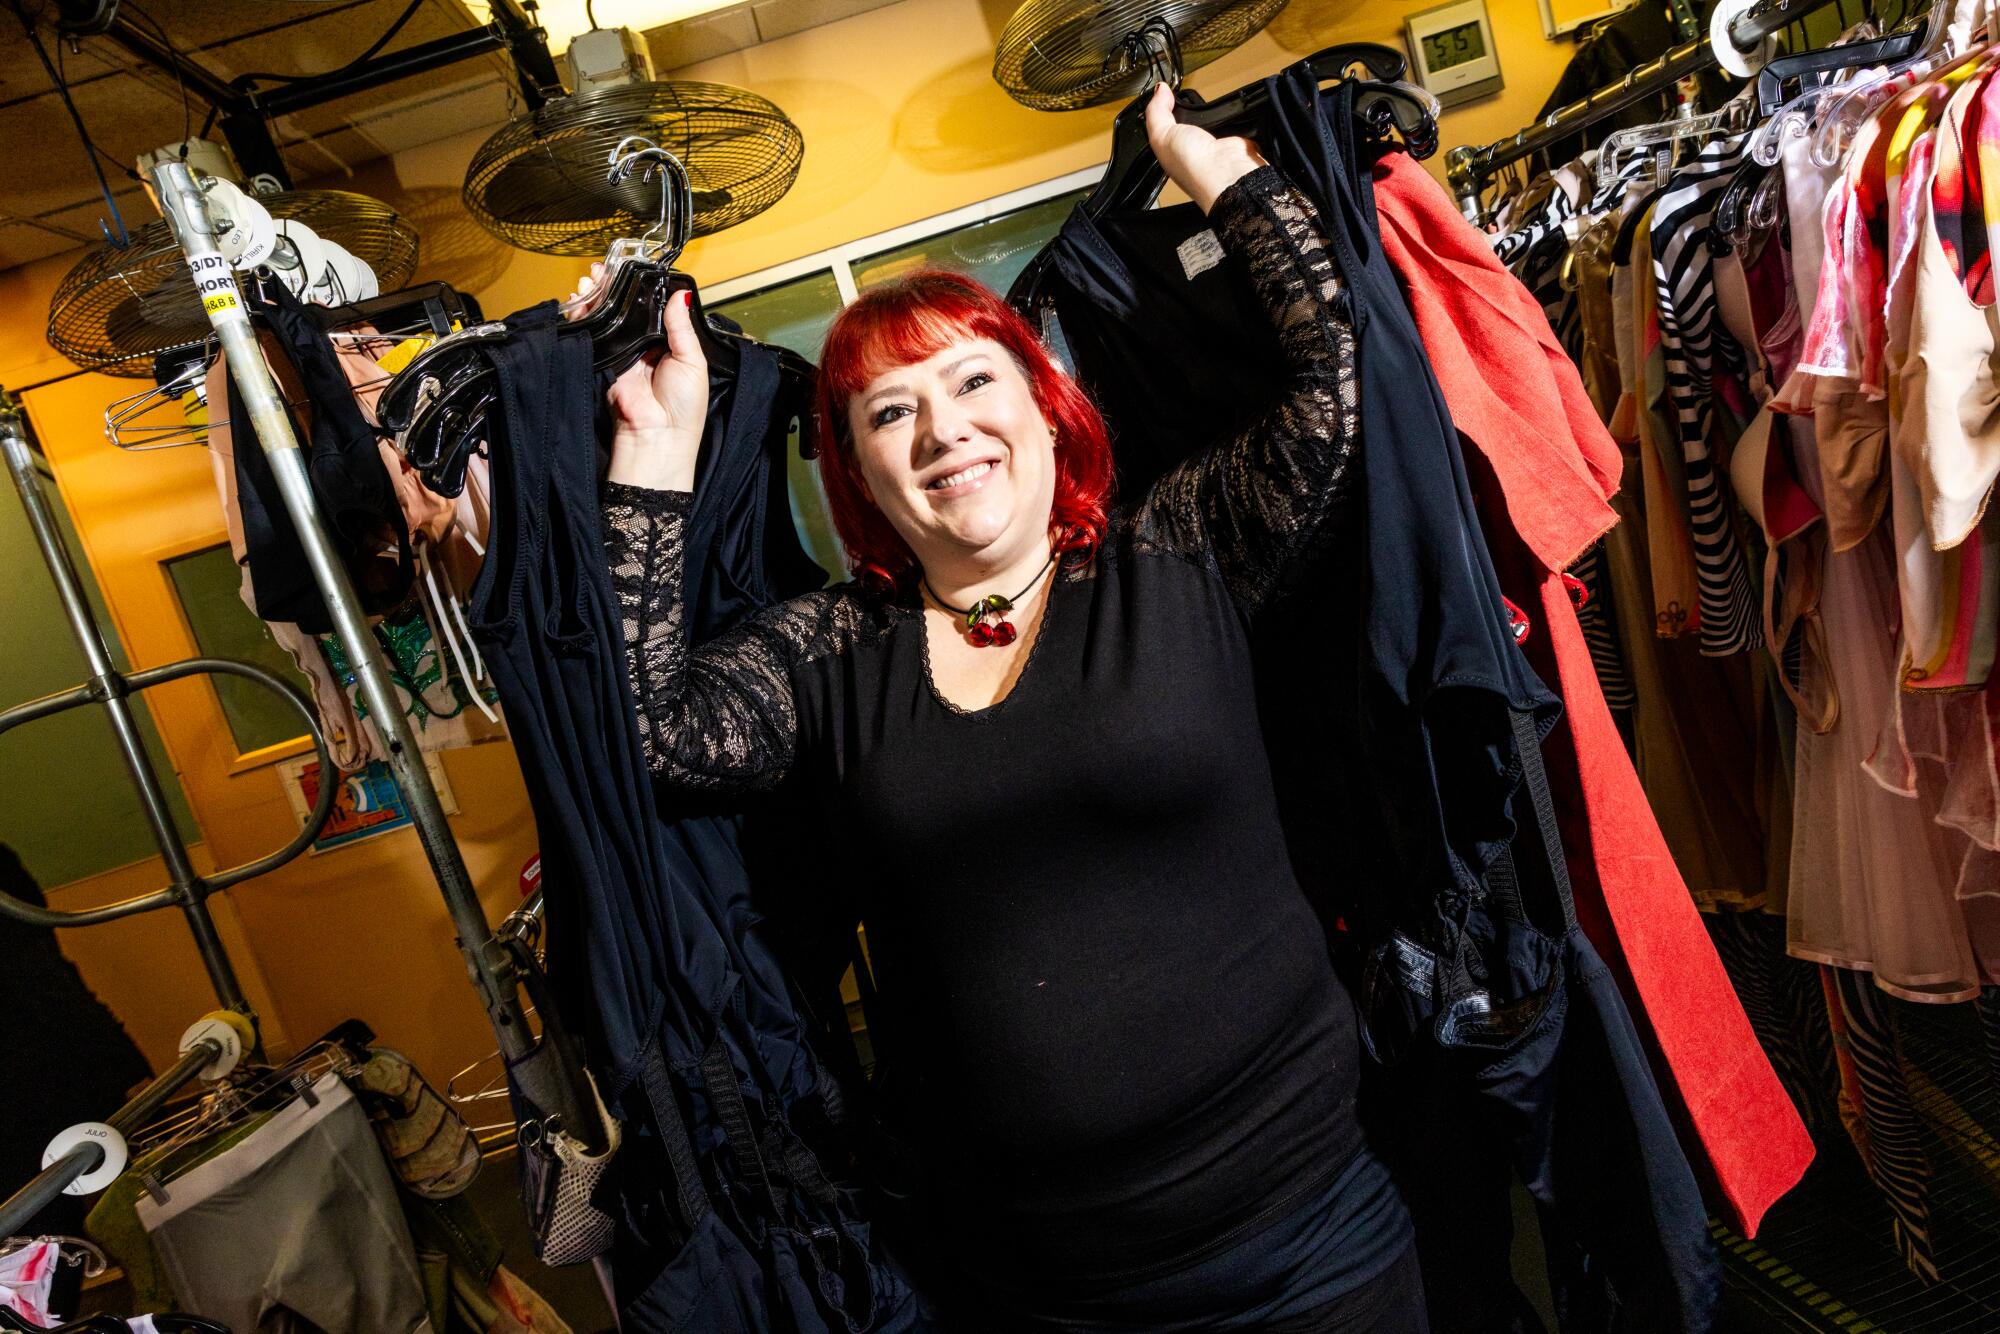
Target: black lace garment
(1132, 1047)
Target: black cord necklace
(1001, 632)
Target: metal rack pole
(107, 685)
(111, 689)
(487, 960)
(1469, 168)
(21, 1207)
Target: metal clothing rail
(537, 1067)
(209, 1050)
(1469, 169)
(112, 690)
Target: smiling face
(958, 456)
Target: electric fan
(118, 309)
(539, 183)
(1062, 55)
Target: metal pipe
(527, 43)
(186, 210)
(108, 687)
(419, 59)
(22, 1206)
(112, 688)
(200, 80)
(1469, 169)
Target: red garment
(1544, 469)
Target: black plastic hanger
(438, 405)
(439, 305)
(631, 319)
(1133, 177)
(1890, 50)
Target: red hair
(907, 322)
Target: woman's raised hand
(659, 404)
(1195, 160)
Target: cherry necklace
(977, 631)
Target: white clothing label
(1199, 253)
(215, 284)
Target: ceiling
(130, 107)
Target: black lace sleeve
(1257, 502)
(722, 716)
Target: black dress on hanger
(1404, 726)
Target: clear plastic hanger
(1840, 123)
(660, 243)
(1795, 118)
(1661, 141)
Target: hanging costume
(726, 1220)
(1443, 682)
(1513, 393)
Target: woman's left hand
(1195, 160)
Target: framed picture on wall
(370, 801)
(1561, 17)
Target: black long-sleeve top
(1133, 1049)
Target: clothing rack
(1469, 169)
(209, 1050)
(212, 1046)
(537, 1068)
(113, 689)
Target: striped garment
(1537, 251)
(1882, 1117)
(1705, 383)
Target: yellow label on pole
(216, 286)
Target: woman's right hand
(658, 406)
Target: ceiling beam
(244, 111)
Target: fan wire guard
(1059, 55)
(540, 182)
(118, 309)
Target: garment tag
(216, 286)
(1199, 253)
(403, 353)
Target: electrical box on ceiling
(202, 155)
(608, 58)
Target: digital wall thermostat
(1452, 52)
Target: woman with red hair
(1031, 724)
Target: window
(793, 314)
(993, 250)
(797, 314)
(70, 807)
(207, 583)
(794, 304)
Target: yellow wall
(902, 121)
